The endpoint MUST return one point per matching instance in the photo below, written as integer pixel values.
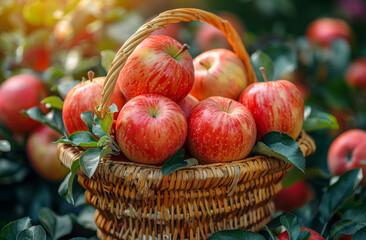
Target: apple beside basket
(135, 201)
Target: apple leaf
(337, 66)
(87, 118)
(65, 188)
(292, 225)
(177, 161)
(64, 87)
(12, 171)
(80, 138)
(318, 120)
(260, 59)
(5, 146)
(53, 102)
(12, 229)
(281, 146)
(270, 233)
(86, 218)
(107, 57)
(89, 160)
(345, 227)
(55, 225)
(236, 234)
(53, 119)
(338, 193)
(356, 214)
(35, 232)
(360, 234)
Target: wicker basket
(134, 201)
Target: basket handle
(163, 20)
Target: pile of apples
(168, 101)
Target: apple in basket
(187, 104)
(160, 65)
(276, 106)
(151, 128)
(220, 130)
(85, 96)
(19, 93)
(218, 72)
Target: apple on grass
(159, 65)
(187, 104)
(218, 72)
(150, 128)
(356, 73)
(220, 130)
(276, 106)
(19, 93)
(313, 235)
(83, 97)
(348, 151)
(42, 153)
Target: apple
(356, 73)
(83, 97)
(42, 153)
(324, 30)
(218, 72)
(160, 65)
(37, 57)
(276, 106)
(293, 197)
(208, 37)
(18, 93)
(220, 130)
(187, 104)
(347, 152)
(150, 129)
(313, 235)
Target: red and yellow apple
(348, 151)
(83, 97)
(276, 106)
(313, 235)
(187, 104)
(356, 73)
(151, 128)
(42, 153)
(218, 72)
(159, 65)
(220, 130)
(18, 93)
(324, 30)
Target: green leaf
(53, 119)
(12, 229)
(355, 214)
(80, 138)
(35, 232)
(337, 66)
(107, 123)
(64, 87)
(53, 102)
(5, 146)
(56, 226)
(87, 118)
(283, 56)
(360, 234)
(307, 111)
(260, 59)
(65, 188)
(177, 161)
(97, 127)
(86, 218)
(236, 234)
(292, 225)
(345, 227)
(338, 193)
(293, 176)
(12, 171)
(281, 146)
(318, 120)
(304, 235)
(271, 234)
(89, 160)
(107, 58)
(113, 108)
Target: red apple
(37, 57)
(356, 73)
(85, 96)
(324, 30)
(42, 153)
(220, 130)
(276, 106)
(158, 65)
(150, 129)
(293, 197)
(313, 235)
(187, 104)
(218, 72)
(348, 151)
(18, 93)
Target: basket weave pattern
(134, 201)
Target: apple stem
(228, 106)
(206, 65)
(91, 75)
(264, 73)
(185, 47)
